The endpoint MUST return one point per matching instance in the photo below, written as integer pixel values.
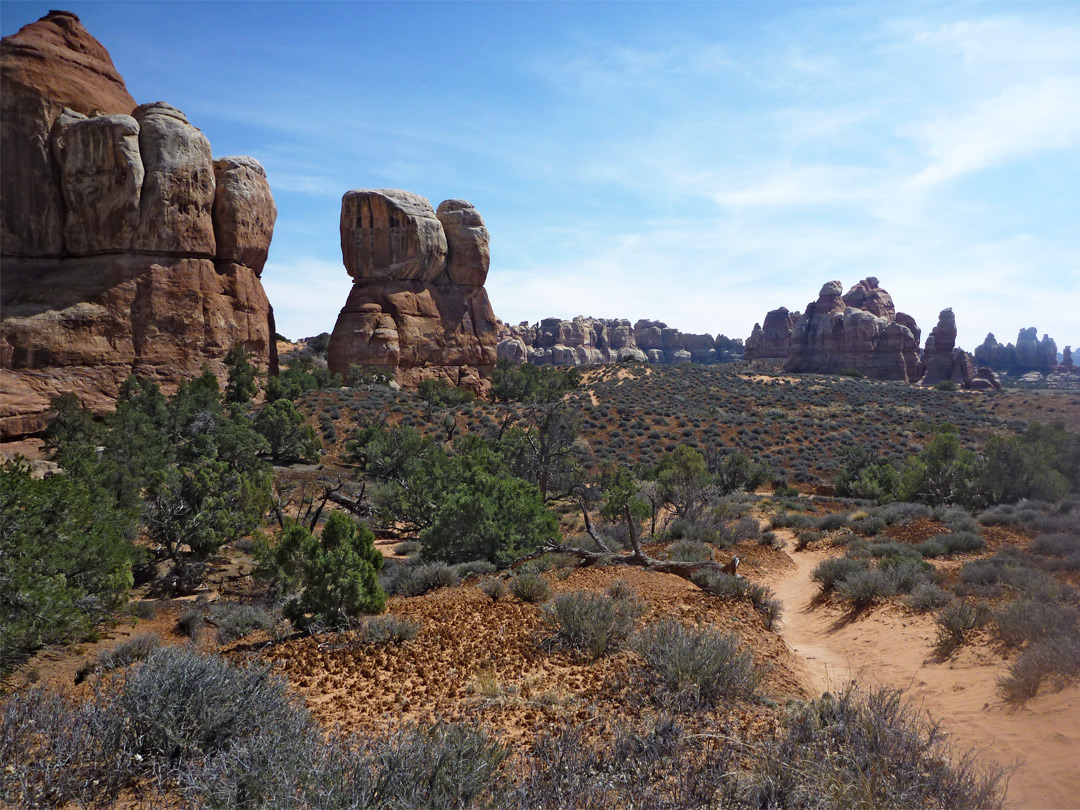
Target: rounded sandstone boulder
(391, 234)
(467, 240)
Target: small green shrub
(530, 587)
(689, 551)
(388, 629)
(830, 573)
(236, 620)
(495, 588)
(698, 667)
(863, 588)
(593, 623)
(955, 621)
(928, 596)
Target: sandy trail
(890, 647)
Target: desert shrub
(771, 539)
(236, 620)
(954, 621)
(864, 476)
(530, 587)
(904, 574)
(867, 748)
(926, 595)
(1010, 568)
(957, 519)
(932, 547)
(495, 588)
(746, 528)
(726, 586)
(897, 514)
(621, 589)
(190, 623)
(890, 548)
(689, 551)
(473, 568)
(1056, 658)
(831, 573)
(388, 629)
(596, 624)
(1056, 545)
(960, 542)
(1022, 620)
(407, 548)
(432, 576)
(205, 733)
(863, 588)
(697, 666)
(833, 521)
(127, 652)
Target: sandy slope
(889, 647)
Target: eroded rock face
(468, 255)
(126, 275)
(48, 65)
(773, 340)
(411, 312)
(244, 211)
(860, 331)
(389, 234)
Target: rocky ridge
(588, 341)
(417, 308)
(126, 247)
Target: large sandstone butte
(860, 331)
(126, 247)
(773, 340)
(417, 308)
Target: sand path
(890, 647)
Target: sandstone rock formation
(418, 308)
(944, 361)
(587, 341)
(836, 334)
(773, 340)
(1029, 354)
(126, 248)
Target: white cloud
(1020, 121)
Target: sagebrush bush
(830, 573)
(388, 629)
(863, 588)
(954, 621)
(698, 666)
(1056, 658)
(235, 620)
(928, 596)
(190, 623)
(689, 551)
(868, 749)
(530, 587)
(596, 624)
(1023, 621)
(495, 588)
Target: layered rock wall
(126, 248)
(417, 308)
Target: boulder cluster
(126, 247)
(587, 341)
(861, 332)
(417, 309)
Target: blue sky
(698, 163)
